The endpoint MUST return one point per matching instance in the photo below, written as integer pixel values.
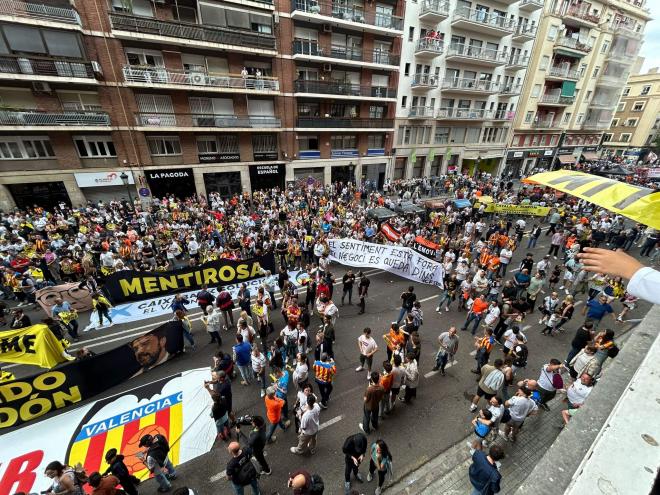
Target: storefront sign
(179, 173)
(518, 154)
(547, 153)
(344, 153)
(309, 154)
(144, 192)
(565, 151)
(102, 179)
(265, 156)
(219, 157)
(267, 169)
(376, 152)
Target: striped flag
(390, 232)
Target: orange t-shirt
(273, 409)
(479, 306)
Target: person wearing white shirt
(492, 314)
(578, 392)
(367, 347)
(505, 258)
(510, 338)
(520, 406)
(309, 427)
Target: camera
(245, 420)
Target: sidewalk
(447, 474)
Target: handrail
(475, 52)
(352, 13)
(474, 15)
(420, 112)
(425, 80)
(43, 66)
(39, 11)
(573, 43)
(429, 44)
(437, 6)
(560, 99)
(344, 122)
(343, 88)
(463, 113)
(471, 84)
(564, 72)
(312, 48)
(157, 119)
(161, 75)
(30, 117)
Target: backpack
(521, 359)
(246, 472)
(613, 351)
(317, 486)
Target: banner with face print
(79, 298)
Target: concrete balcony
(135, 28)
(511, 90)
(24, 120)
(524, 33)
(482, 22)
(571, 47)
(476, 56)
(343, 90)
(324, 124)
(424, 82)
(596, 125)
(517, 62)
(562, 74)
(39, 13)
(530, 5)
(545, 124)
(603, 103)
(420, 113)
(434, 11)
(627, 31)
(170, 122)
(351, 17)
(464, 114)
(620, 58)
(342, 55)
(612, 80)
(46, 69)
(469, 86)
(580, 17)
(428, 48)
(550, 100)
(159, 77)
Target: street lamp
(124, 178)
(476, 165)
(351, 171)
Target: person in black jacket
(354, 449)
(117, 467)
(257, 442)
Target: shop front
(565, 158)
(44, 194)
(106, 186)
(522, 162)
(227, 184)
(373, 175)
(267, 176)
(179, 182)
(343, 173)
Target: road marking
(331, 422)
(578, 303)
(429, 298)
(218, 477)
(432, 373)
(473, 353)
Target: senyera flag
(390, 232)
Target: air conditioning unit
(41, 87)
(327, 28)
(197, 78)
(96, 68)
(327, 68)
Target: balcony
(177, 122)
(530, 5)
(511, 90)
(40, 12)
(562, 74)
(434, 11)
(552, 100)
(612, 80)
(603, 103)
(627, 31)
(482, 22)
(354, 57)
(596, 125)
(620, 58)
(159, 77)
(469, 86)
(545, 124)
(464, 114)
(428, 48)
(424, 82)
(517, 62)
(66, 120)
(475, 56)
(524, 33)
(580, 17)
(46, 69)
(420, 113)
(346, 16)
(338, 123)
(572, 47)
(343, 89)
(136, 28)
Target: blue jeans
(160, 475)
(472, 317)
(246, 372)
(240, 490)
(532, 242)
(188, 336)
(272, 427)
(446, 297)
(402, 314)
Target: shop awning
(566, 159)
(590, 155)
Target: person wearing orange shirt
(274, 407)
(395, 339)
(493, 266)
(479, 307)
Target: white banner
(401, 261)
(102, 179)
(159, 306)
(177, 407)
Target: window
(377, 111)
(404, 101)
(411, 33)
(567, 117)
(95, 146)
(529, 116)
(596, 71)
(621, 106)
(406, 69)
(552, 32)
(626, 91)
(18, 148)
(588, 96)
(262, 143)
(536, 91)
(607, 137)
(580, 117)
(638, 106)
(441, 135)
(631, 122)
(625, 137)
(583, 69)
(645, 90)
(376, 141)
(615, 122)
(604, 46)
(343, 142)
(308, 143)
(164, 145)
(545, 61)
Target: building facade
(636, 121)
(461, 75)
(103, 99)
(579, 66)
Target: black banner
(425, 247)
(131, 285)
(29, 398)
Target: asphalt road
(435, 421)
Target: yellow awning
(638, 203)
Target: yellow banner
(539, 211)
(639, 203)
(31, 345)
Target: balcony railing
(572, 43)
(425, 80)
(485, 54)
(621, 57)
(470, 85)
(420, 112)
(518, 60)
(612, 79)
(429, 45)
(46, 67)
(438, 7)
(627, 31)
(512, 89)
(343, 89)
(545, 124)
(39, 11)
(531, 3)
(464, 113)
(523, 30)
(348, 123)
(583, 14)
(482, 17)
(160, 75)
(596, 124)
(189, 31)
(42, 118)
(312, 48)
(563, 72)
(147, 119)
(604, 103)
(352, 13)
(557, 99)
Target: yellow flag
(31, 345)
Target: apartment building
(579, 66)
(461, 74)
(106, 98)
(636, 122)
